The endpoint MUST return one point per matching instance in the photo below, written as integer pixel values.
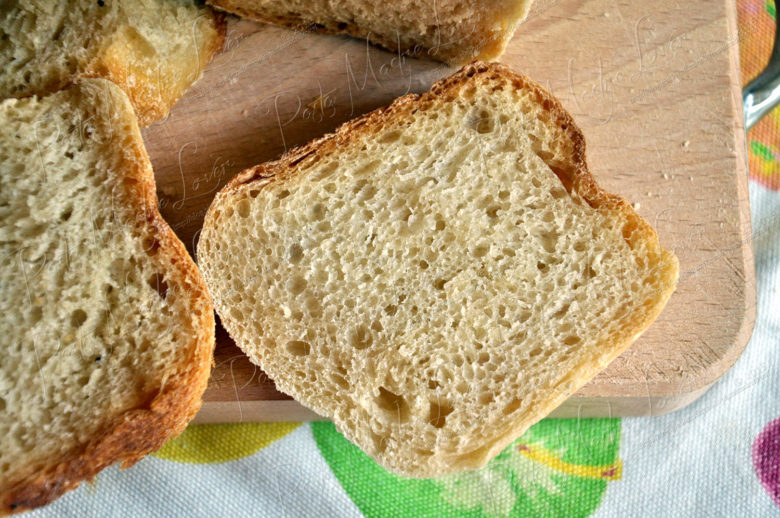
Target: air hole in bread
(296, 285)
(77, 318)
(548, 240)
(339, 380)
(484, 123)
(562, 311)
(298, 348)
(283, 194)
(480, 250)
(236, 314)
(295, 253)
(243, 208)
(36, 313)
(368, 168)
(558, 194)
(512, 406)
(390, 136)
(360, 338)
(393, 403)
(317, 212)
(157, 282)
(151, 246)
(572, 340)
(438, 412)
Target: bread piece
(106, 328)
(435, 276)
(153, 49)
(453, 31)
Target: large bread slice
(106, 328)
(454, 31)
(437, 275)
(153, 49)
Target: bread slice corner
(153, 50)
(437, 275)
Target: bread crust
(489, 44)
(137, 431)
(574, 175)
(151, 101)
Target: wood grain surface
(655, 88)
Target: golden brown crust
(488, 44)
(574, 175)
(140, 430)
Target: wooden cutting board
(655, 88)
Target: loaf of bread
(106, 327)
(435, 276)
(453, 31)
(153, 49)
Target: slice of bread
(106, 327)
(435, 276)
(153, 49)
(452, 31)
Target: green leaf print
(560, 467)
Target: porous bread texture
(454, 31)
(153, 49)
(106, 327)
(435, 276)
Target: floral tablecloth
(718, 457)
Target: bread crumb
(690, 178)
(636, 205)
(666, 176)
(686, 143)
